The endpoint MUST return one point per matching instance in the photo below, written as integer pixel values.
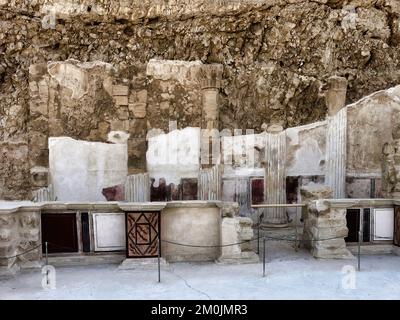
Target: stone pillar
(42, 111)
(336, 140)
(235, 229)
(274, 156)
(324, 227)
(211, 76)
(335, 96)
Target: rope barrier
(34, 248)
(212, 246)
(245, 241)
(21, 254)
(202, 246)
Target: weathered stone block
(8, 220)
(6, 234)
(38, 140)
(39, 176)
(138, 128)
(27, 234)
(137, 153)
(120, 90)
(138, 110)
(319, 232)
(120, 125)
(39, 157)
(103, 129)
(335, 96)
(30, 220)
(39, 124)
(123, 113)
(121, 100)
(235, 230)
(315, 191)
(230, 209)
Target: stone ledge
(143, 263)
(7, 207)
(85, 260)
(240, 258)
(329, 254)
(373, 249)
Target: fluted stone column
(273, 159)
(336, 141)
(275, 177)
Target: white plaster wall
(306, 149)
(239, 156)
(79, 170)
(370, 123)
(174, 155)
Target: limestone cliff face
(277, 54)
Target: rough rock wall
(276, 55)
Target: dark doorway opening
(354, 219)
(257, 191)
(59, 231)
(353, 224)
(366, 225)
(292, 185)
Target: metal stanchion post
(295, 224)
(359, 250)
(159, 257)
(264, 259)
(258, 237)
(47, 259)
(47, 262)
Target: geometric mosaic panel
(142, 234)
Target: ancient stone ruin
(201, 120)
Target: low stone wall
(325, 225)
(19, 232)
(204, 223)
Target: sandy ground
(289, 275)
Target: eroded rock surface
(276, 55)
